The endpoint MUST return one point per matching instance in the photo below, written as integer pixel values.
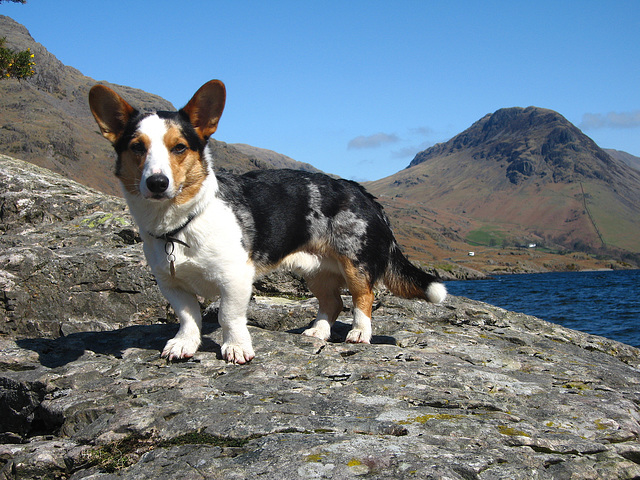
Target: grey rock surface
(462, 390)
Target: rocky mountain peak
(530, 142)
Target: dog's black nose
(157, 183)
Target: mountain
(46, 120)
(523, 175)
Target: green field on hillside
(486, 235)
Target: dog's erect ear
(110, 110)
(205, 108)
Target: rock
(462, 390)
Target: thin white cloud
(591, 121)
(372, 141)
(422, 131)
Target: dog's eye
(179, 148)
(138, 148)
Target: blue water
(600, 303)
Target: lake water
(600, 303)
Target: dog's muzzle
(157, 184)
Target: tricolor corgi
(213, 234)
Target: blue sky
(357, 88)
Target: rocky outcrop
(69, 257)
(461, 390)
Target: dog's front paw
(236, 343)
(238, 354)
(357, 335)
(179, 348)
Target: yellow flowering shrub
(15, 64)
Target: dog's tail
(408, 281)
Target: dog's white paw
(179, 348)
(357, 335)
(318, 332)
(239, 354)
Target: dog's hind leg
(362, 294)
(362, 305)
(326, 287)
(187, 340)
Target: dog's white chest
(214, 250)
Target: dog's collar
(170, 239)
(171, 236)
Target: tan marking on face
(132, 164)
(187, 167)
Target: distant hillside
(46, 120)
(627, 158)
(278, 160)
(524, 175)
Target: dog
(213, 234)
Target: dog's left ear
(110, 110)
(205, 108)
